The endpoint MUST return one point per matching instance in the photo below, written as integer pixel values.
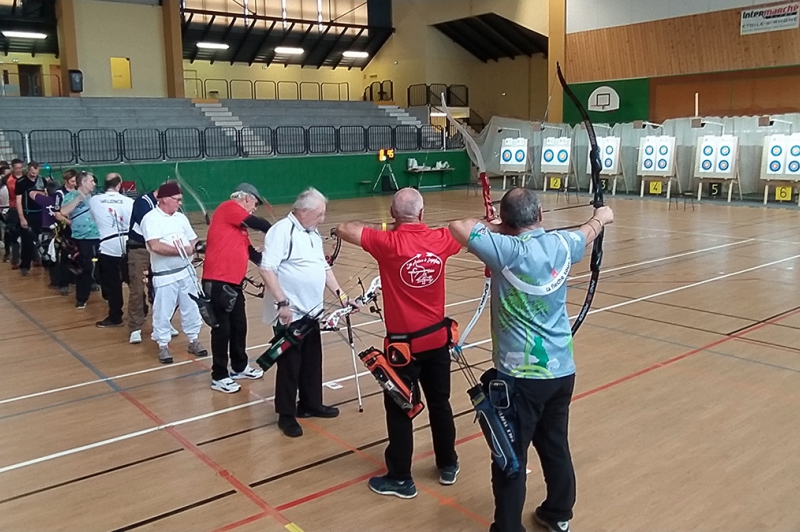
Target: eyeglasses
(177, 199)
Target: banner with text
(774, 17)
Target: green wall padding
(634, 101)
(281, 179)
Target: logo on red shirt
(422, 270)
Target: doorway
(30, 80)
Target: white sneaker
(174, 332)
(248, 373)
(226, 385)
(136, 337)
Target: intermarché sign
(773, 17)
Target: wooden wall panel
(709, 42)
(753, 92)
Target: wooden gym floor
(685, 415)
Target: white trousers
(168, 297)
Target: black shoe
(108, 323)
(551, 526)
(290, 426)
(320, 411)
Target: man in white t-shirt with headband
(532, 345)
(171, 240)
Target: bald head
(407, 205)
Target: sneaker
(197, 349)
(164, 354)
(405, 489)
(15, 266)
(551, 526)
(290, 426)
(136, 337)
(80, 304)
(320, 411)
(248, 373)
(174, 332)
(24, 271)
(226, 385)
(448, 475)
(108, 323)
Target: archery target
(609, 156)
(657, 156)
(716, 156)
(514, 155)
(774, 156)
(556, 155)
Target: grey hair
(240, 194)
(310, 198)
(407, 204)
(520, 208)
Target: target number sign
(555, 183)
(783, 193)
(655, 188)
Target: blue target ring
(776, 150)
(648, 150)
(609, 150)
(723, 165)
(775, 166)
(708, 150)
(795, 151)
(609, 162)
(663, 150)
(562, 156)
(725, 151)
(662, 163)
(506, 155)
(548, 155)
(520, 156)
(706, 165)
(648, 163)
(794, 166)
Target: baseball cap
(250, 189)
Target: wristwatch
(281, 304)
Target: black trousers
(111, 283)
(229, 339)
(30, 240)
(300, 369)
(83, 284)
(431, 371)
(11, 236)
(542, 407)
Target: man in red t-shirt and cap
(228, 249)
(411, 258)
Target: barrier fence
(61, 146)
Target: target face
(708, 150)
(562, 156)
(609, 150)
(776, 150)
(548, 155)
(663, 150)
(648, 150)
(648, 163)
(723, 165)
(662, 163)
(725, 151)
(520, 156)
(775, 166)
(706, 165)
(506, 155)
(794, 166)
(609, 162)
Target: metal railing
(21, 84)
(421, 94)
(265, 89)
(379, 91)
(61, 146)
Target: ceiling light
(438, 114)
(355, 54)
(213, 45)
(288, 50)
(24, 34)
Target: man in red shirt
(228, 249)
(411, 259)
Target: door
(30, 80)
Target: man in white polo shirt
(295, 274)
(111, 213)
(164, 229)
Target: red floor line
(238, 485)
(333, 489)
(241, 522)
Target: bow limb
(185, 186)
(594, 159)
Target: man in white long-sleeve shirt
(164, 229)
(295, 273)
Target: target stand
(717, 162)
(780, 166)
